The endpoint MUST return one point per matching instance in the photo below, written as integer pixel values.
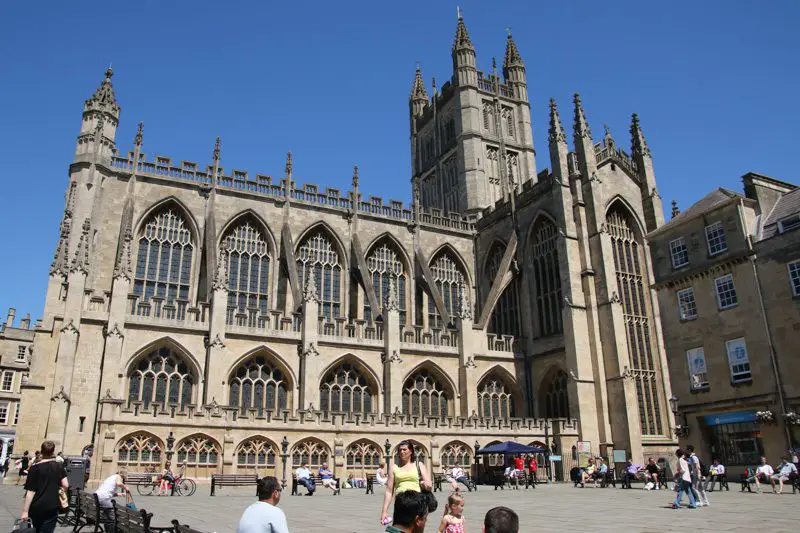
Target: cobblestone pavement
(556, 508)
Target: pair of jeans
(45, 522)
(699, 490)
(685, 486)
(308, 484)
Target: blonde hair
(453, 499)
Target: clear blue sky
(716, 84)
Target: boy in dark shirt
(652, 472)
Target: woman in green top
(403, 477)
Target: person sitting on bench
(714, 473)
(380, 475)
(457, 476)
(327, 478)
(303, 475)
(587, 472)
(601, 472)
(785, 472)
(629, 474)
(762, 475)
(651, 473)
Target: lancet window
(164, 263)
(425, 396)
(248, 265)
(546, 279)
(312, 452)
(161, 377)
(494, 183)
(495, 399)
(256, 452)
(259, 384)
(319, 255)
(505, 317)
(139, 449)
(450, 281)
(198, 450)
(345, 389)
(363, 453)
(456, 454)
(632, 289)
(384, 264)
(556, 397)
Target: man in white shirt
(715, 472)
(785, 469)
(763, 474)
(264, 515)
(457, 476)
(683, 478)
(303, 476)
(380, 475)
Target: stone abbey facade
(229, 311)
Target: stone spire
(310, 288)
(675, 210)
(104, 98)
(513, 57)
(418, 91)
(638, 142)
(59, 265)
(463, 53)
(581, 126)
(123, 266)
(462, 40)
(80, 261)
(355, 178)
(556, 130)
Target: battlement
(308, 193)
(530, 191)
(608, 151)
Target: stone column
(215, 345)
(392, 373)
(310, 364)
(468, 339)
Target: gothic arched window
(248, 269)
(318, 253)
(556, 397)
(199, 453)
(312, 452)
(259, 384)
(384, 264)
(164, 261)
(425, 396)
(494, 185)
(161, 377)
(450, 280)
(495, 399)
(632, 288)
(505, 317)
(456, 454)
(546, 279)
(139, 449)
(363, 453)
(345, 389)
(256, 453)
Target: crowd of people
(764, 473)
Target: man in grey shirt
(264, 515)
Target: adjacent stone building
(229, 319)
(727, 271)
(16, 346)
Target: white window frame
(739, 368)
(717, 282)
(678, 249)
(789, 223)
(689, 291)
(717, 226)
(16, 413)
(10, 388)
(698, 370)
(22, 353)
(794, 277)
(4, 413)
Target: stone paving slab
(554, 508)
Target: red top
(532, 464)
(519, 464)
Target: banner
(584, 448)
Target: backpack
(703, 467)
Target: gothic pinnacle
(355, 177)
(104, 97)
(638, 142)
(288, 168)
(513, 57)
(675, 210)
(581, 126)
(215, 155)
(462, 36)
(137, 140)
(418, 87)
(556, 130)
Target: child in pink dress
(453, 519)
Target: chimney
(25, 323)
(10, 319)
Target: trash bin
(76, 467)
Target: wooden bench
(183, 528)
(71, 517)
(370, 484)
(90, 513)
(626, 480)
(232, 480)
(127, 520)
(440, 477)
(317, 480)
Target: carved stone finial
(80, 261)
(310, 350)
(123, 268)
(581, 126)
(392, 300)
(220, 282)
(470, 363)
(215, 155)
(310, 288)
(61, 395)
(217, 342)
(59, 265)
(355, 177)
(289, 165)
(418, 91)
(638, 142)
(675, 210)
(556, 130)
(137, 140)
(464, 306)
(615, 298)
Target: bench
(626, 479)
(317, 480)
(71, 517)
(370, 484)
(609, 478)
(722, 479)
(90, 513)
(183, 528)
(127, 520)
(748, 479)
(440, 477)
(232, 480)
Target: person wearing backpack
(696, 471)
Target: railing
(159, 308)
(439, 337)
(485, 85)
(603, 152)
(350, 330)
(501, 343)
(273, 320)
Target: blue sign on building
(730, 418)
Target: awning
(730, 418)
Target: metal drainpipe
(772, 355)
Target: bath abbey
(235, 322)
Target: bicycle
(182, 486)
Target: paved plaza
(557, 508)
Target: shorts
(329, 482)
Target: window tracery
(197, 450)
(546, 279)
(505, 317)
(363, 453)
(456, 454)
(495, 399)
(384, 264)
(556, 399)
(248, 270)
(161, 377)
(259, 384)
(312, 452)
(425, 396)
(256, 452)
(318, 254)
(449, 279)
(345, 389)
(139, 449)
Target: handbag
(130, 504)
(421, 488)
(63, 500)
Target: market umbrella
(510, 447)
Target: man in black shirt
(23, 464)
(652, 472)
